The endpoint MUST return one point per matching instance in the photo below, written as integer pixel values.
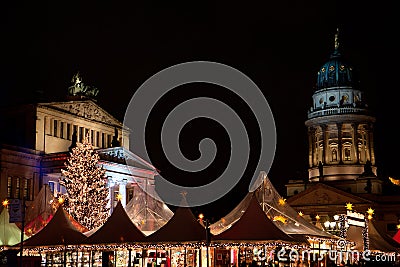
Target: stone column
(311, 139)
(368, 142)
(122, 192)
(371, 143)
(111, 193)
(323, 127)
(340, 147)
(355, 142)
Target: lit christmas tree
(86, 196)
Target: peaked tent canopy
(377, 241)
(60, 230)
(381, 241)
(10, 234)
(148, 213)
(40, 211)
(274, 206)
(253, 225)
(183, 227)
(117, 229)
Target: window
(68, 131)
(98, 139)
(27, 189)
(347, 154)
(17, 193)
(109, 140)
(86, 132)
(80, 134)
(51, 186)
(61, 129)
(92, 137)
(55, 126)
(10, 187)
(103, 140)
(334, 155)
(130, 193)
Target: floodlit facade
(39, 138)
(341, 154)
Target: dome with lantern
(336, 72)
(337, 87)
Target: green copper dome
(336, 72)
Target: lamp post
(206, 225)
(332, 226)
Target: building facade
(341, 153)
(39, 138)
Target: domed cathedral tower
(340, 131)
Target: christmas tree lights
(86, 195)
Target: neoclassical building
(341, 154)
(38, 139)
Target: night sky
(280, 45)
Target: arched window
(347, 154)
(334, 154)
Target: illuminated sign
(355, 218)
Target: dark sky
(280, 45)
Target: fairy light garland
(342, 226)
(365, 235)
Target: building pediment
(123, 156)
(321, 194)
(86, 109)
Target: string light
(317, 217)
(342, 226)
(301, 214)
(5, 202)
(87, 195)
(365, 235)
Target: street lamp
(332, 226)
(206, 224)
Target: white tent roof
(40, 211)
(281, 213)
(147, 213)
(10, 234)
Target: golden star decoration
(5, 202)
(370, 211)
(349, 206)
(280, 218)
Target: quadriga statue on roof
(78, 88)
